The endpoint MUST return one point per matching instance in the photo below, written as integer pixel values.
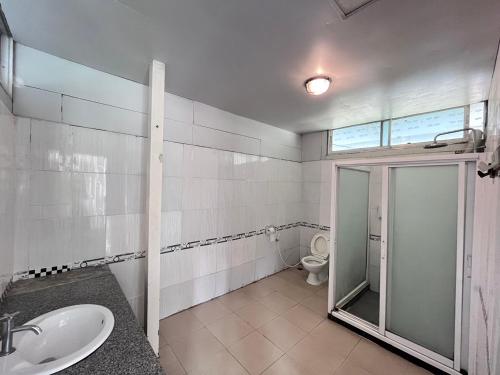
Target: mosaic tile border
(47, 271)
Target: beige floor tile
(349, 368)
(236, 300)
(303, 318)
(277, 302)
(282, 333)
(338, 339)
(211, 311)
(255, 352)
(197, 349)
(416, 370)
(315, 357)
(169, 361)
(287, 366)
(179, 325)
(258, 289)
(317, 304)
(295, 292)
(293, 276)
(162, 341)
(323, 292)
(230, 329)
(375, 359)
(222, 363)
(256, 314)
(275, 282)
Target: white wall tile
(225, 165)
(88, 151)
(223, 256)
(88, 237)
(51, 146)
(105, 117)
(222, 282)
(112, 152)
(136, 230)
(178, 108)
(312, 146)
(50, 243)
(131, 276)
(223, 140)
(177, 131)
(136, 155)
(117, 241)
(203, 289)
(191, 193)
(116, 194)
(173, 156)
(36, 103)
(88, 194)
(204, 260)
(136, 194)
(242, 275)
(172, 190)
(32, 67)
(23, 147)
(214, 118)
(312, 171)
(171, 228)
(275, 150)
(51, 189)
(208, 193)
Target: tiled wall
(316, 198)
(7, 194)
(211, 194)
(80, 196)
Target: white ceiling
(251, 57)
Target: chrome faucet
(8, 331)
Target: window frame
(410, 147)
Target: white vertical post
(384, 234)
(155, 170)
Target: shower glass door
(424, 240)
(351, 259)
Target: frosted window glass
(353, 137)
(352, 230)
(423, 128)
(422, 256)
(476, 116)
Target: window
(6, 55)
(407, 130)
(423, 128)
(355, 137)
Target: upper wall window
(6, 55)
(407, 130)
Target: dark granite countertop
(126, 351)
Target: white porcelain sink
(69, 335)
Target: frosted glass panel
(352, 230)
(422, 256)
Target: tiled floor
(275, 326)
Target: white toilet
(317, 262)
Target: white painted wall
(81, 158)
(7, 195)
(484, 349)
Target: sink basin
(69, 335)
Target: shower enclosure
(399, 235)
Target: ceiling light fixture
(317, 85)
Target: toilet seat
(314, 260)
(317, 262)
(320, 246)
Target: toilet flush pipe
(273, 235)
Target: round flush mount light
(317, 85)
